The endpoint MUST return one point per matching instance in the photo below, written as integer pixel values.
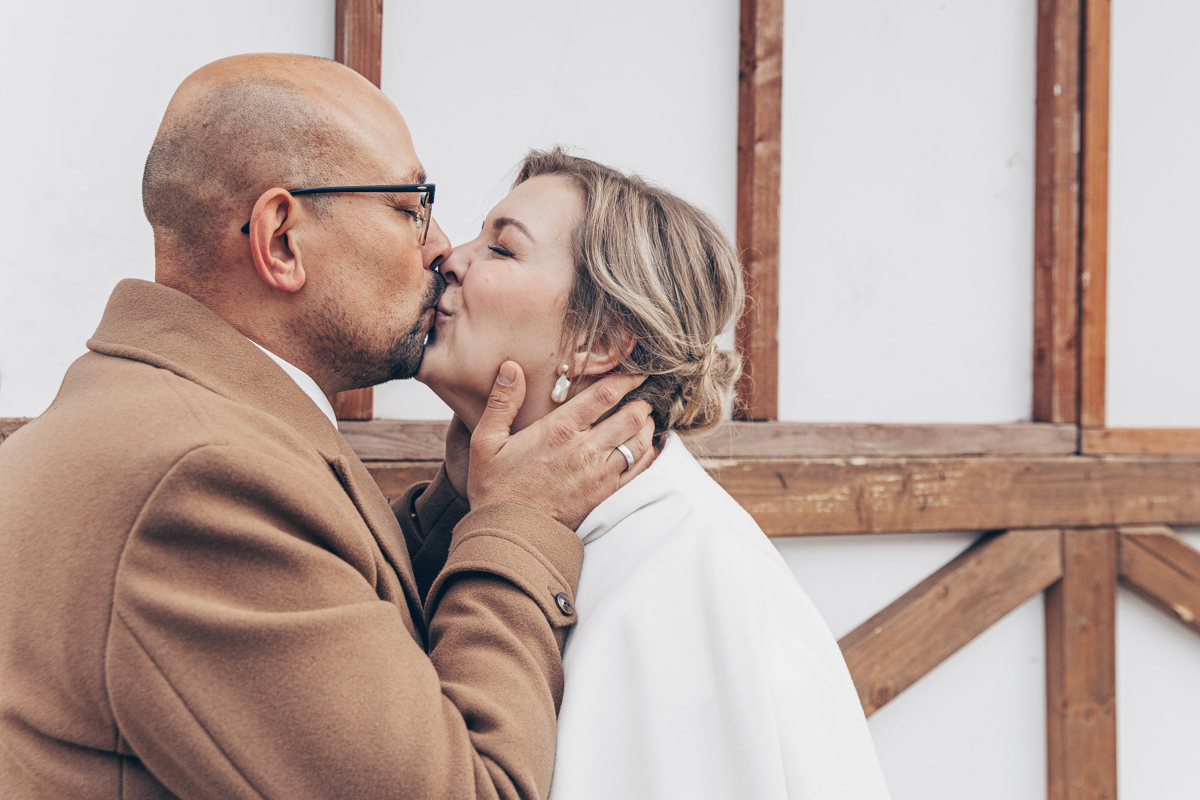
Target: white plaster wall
(906, 261)
(83, 87)
(1154, 216)
(643, 86)
(906, 253)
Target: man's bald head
(243, 125)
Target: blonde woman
(698, 668)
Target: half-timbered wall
(905, 271)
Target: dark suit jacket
(204, 594)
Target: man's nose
(437, 246)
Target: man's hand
(564, 464)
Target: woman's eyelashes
(500, 251)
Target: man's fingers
(507, 395)
(642, 446)
(621, 426)
(595, 401)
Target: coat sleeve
(249, 654)
(428, 514)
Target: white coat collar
(658, 481)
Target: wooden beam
(1094, 230)
(881, 495)
(1157, 564)
(903, 642)
(760, 103)
(1056, 213)
(358, 37)
(419, 440)
(1081, 612)
(358, 43)
(1141, 441)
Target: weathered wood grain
(890, 495)
(358, 43)
(396, 440)
(903, 642)
(1093, 278)
(1056, 213)
(760, 119)
(1141, 441)
(358, 36)
(1161, 567)
(393, 477)
(885, 495)
(356, 404)
(1081, 687)
(818, 440)
(418, 440)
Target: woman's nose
(454, 268)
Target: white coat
(699, 668)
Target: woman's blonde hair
(651, 267)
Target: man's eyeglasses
(424, 189)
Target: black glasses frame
(426, 190)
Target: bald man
(204, 593)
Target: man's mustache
(434, 293)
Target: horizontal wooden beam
(903, 495)
(416, 440)
(1161, 567)
(1141, 441)
(903, 642)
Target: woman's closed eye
(500, 251)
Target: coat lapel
(165, 328)
(382, 521)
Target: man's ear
(603, 357)
(272, 244)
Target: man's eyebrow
(416, 176)
(503, 222)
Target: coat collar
(674, 464)
(167, 329)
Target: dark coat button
(564, 603)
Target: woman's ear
(603, 357)
(272, 241)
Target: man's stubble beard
(355, 355)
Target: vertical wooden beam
(1094, 247)
(358, 32)
(1081, 720)
(760, 102)
(1056, 212)
(358, 43)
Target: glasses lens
(426, 217)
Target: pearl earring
(561, 386)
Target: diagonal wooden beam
(1081, 725)
(1157, 564)
(1056, 213)
(903, 642)
(358, 43)
(760, 116)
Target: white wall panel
(1154, 216)
(83, 87)
(973, 727)
(643, 86)
(906, 272)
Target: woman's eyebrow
(503, 222)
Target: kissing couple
(207, 596)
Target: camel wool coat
(203, 593)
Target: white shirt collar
(306, 384)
